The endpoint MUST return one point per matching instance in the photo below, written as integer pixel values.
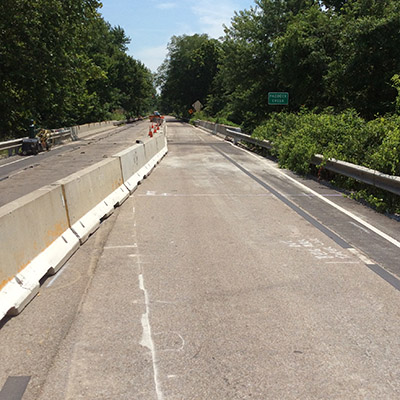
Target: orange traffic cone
(150, 132)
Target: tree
(248, 68)
(368, 57)
(303, 56)
(60, 64)
(188, 72)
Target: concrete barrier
(85, 130)
(40, 231)
(92, 194)
(150, 152)
(133, 163)
(35, 240)
(162, 147)
(138, 161)
(154, 150)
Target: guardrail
(369, 176)
(11, 144)
(14, 145)
(265, 144)
(61, 134)
(390, 183)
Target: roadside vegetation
(61, 64)
(339, 60)
(342, 136)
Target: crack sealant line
(147, 339)
(337, 239)
(331, 203)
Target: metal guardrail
(60, 134)
(265, 144)
(369, 176)
(11, 145)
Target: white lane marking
(17, 161)
(130, 246)
(344, 262)
(205, 195)
(57, 275)
(361, 256)
(359, 227)
(153, 194)
(331, 203)
(147, 339)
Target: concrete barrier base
(90, 222)
(133, 182)
(14, 297)
(25, 285)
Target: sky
(151, 24)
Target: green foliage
(187, 73)
(62, 64)
(330, 53)
(396, 85)
(368, 55)
(385, 156)
(203, 116)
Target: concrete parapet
(138, 161)
(35, 239)
(85, 130)
(92, 194)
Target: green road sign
(278, 98)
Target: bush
(201, 115)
